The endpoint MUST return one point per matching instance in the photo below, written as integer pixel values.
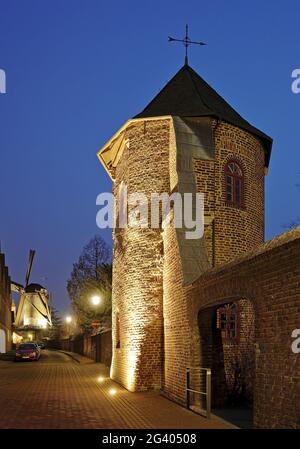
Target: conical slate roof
(188, 95)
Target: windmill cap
(32, 288)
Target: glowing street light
(69, 325)
(95, 300)
(42, 323)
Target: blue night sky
(77, 70)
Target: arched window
(234, 184)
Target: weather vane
(186, 42)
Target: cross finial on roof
(186, 42)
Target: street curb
(70, 355)
(78, 360)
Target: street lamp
(96, 300)
(69, 321)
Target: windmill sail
(29, 268)
(44, 302)
(33, 311)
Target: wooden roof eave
(110, 154)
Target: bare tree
(92, 275)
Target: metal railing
(206, 393)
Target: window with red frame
(228, 322)
(234, 184)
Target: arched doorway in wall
(2, 341)
(227, 346)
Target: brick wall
(158, 335)
(232, 232)
(138, 264)
(147, 273)
(268, 277)
(177, 330)
(5, 302)
(97, 347)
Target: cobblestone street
(59, 393)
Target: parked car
(28, 351)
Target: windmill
(33, 312)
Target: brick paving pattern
(59, 393)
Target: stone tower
(188, 139)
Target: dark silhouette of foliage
(92, 275)
(56, 330)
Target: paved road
(57, 392)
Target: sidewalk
(69, 391)
(149, 410)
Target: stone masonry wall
(269, 277)
(138, 264)
(155, 318)
(177, 330)
(231, 232)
